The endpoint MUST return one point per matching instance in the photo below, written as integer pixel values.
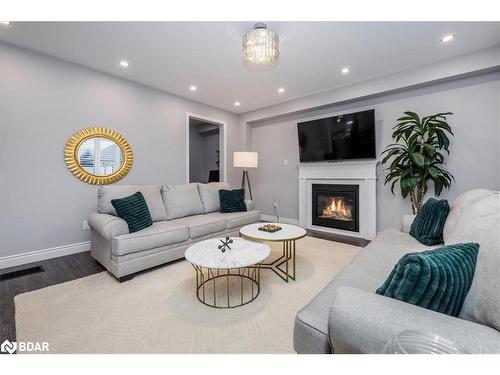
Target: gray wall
(43, 101)
(202, 153)
(211, 145)
(196, 155)
(474, 153)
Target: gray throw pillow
(209, 194)
(181, 200)
(151, 194)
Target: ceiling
(172, 56)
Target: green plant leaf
(430, 149)
(413, 115)
(390, 154)
(418, 159)
(438, 187)
(434, 172)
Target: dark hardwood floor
(56, 270)
(70, 267)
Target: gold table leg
(207, 277)
(288, 256)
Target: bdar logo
(8, 347)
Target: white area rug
(157, 312)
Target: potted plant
(418, 156)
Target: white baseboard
(284, 220)
(38, 255)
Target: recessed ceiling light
(5, 23)
(124, 63)
(448, 38)
(344, 70)
(237, 104)
(192, 88)
(281, 90)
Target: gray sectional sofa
(182, 215)
(348, 317)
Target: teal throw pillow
(232, 200)
(134, 210)
(437, 280)
(428, 225)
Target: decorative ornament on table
(225, 244)
(271, 228)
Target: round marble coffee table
(287, 235)
(229, 278)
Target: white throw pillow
(181, 200)
(151, 193)
(475, 217)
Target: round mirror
(98, 156)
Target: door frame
(222, 143)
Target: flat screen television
(344, 137)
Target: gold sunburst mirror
(98, 156)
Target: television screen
(343, 137)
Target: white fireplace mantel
(362, 173)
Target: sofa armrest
(406, 223)
(363, 322)
(250, 205)
(108, 226)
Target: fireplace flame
(337, 209)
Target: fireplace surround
(361, 173)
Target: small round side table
(227, 279)
(287, 235)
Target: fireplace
(335, 206)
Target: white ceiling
(171, 56)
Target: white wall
(43, 101)
(474, 153)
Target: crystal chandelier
(261, 45)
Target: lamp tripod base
(243, 179)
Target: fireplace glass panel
(336, 206)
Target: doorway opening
(205, 149)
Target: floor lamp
(246, 160)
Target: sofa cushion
(161, 233)
(475, 216)
(427, 227)
(237, 219)
(134, 210)
(151, 193)
(232, 200)
(209, 194)
(201, 225)
(437, 280)
(181, 200)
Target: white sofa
(182, 215)
(348, 317)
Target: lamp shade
(245, 159)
